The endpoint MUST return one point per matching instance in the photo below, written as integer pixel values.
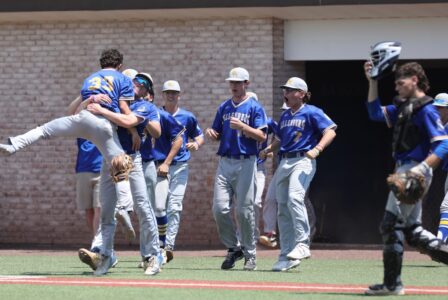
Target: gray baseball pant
(293, 178)
(149, 237)
(86, 125)
(236, 177)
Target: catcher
(419, 145)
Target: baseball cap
(171, 85)
(253, 95)
(296, 83)
(144, 79)
(238, 74)
(441, 100)
(130, 73)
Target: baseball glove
(121, 166)
(408, 187)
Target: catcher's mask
(383, 56)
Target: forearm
(175, 147)
(126, 121)
(326, 139)
(73, 106)
(154, 129)
(199, 140)
(373, 90)
(256, 134)
(274, 146)
(124, 107)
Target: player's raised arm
(126, 121)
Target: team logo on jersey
(297, 136)
(240, 116)
(293, 123)
(141, 109)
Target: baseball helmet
(383, 56)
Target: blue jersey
(171, 129)
(302, 130)
(89, 157)
(146, 112)
(427, 120)
(192, 130)
(232, 141)
(272, 129)
(110, 82)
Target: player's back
(110, 82)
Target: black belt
(241, 156)
(292, 154)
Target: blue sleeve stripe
(126, 98)
(332, 126)
(178, 135)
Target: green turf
(364, 272)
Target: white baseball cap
(130, 73)
(296, 83)
(253, 95)
(238, 74)
(441, 100)
(171, 85)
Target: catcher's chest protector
(406, 135)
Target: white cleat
(301, 251)
(151, 266)
(6, 150)
(285, 265)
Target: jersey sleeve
(387, 114)
(433, 125)
(146, 112)
(192, 129)
(321, 121)
(260, 120)
(218, 122)
(127, 90)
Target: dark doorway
(349, 190)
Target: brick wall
(43, 65)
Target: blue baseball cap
(441, 100)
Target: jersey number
(96, 83)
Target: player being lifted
(88, 126)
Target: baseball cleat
(250, 264)
(285, 265)
(104, 266)
(382, 290)
(123, 216)
(301, 251)
(6, 150)
(231, 257)
(151, 265)
(169, 253)
(92, 259)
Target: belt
(241, 156)
(292, 154)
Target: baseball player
(417, 130)
(304, 131)
(170, 192)
(156, 167)
(144, 115)
(441, 103)
(240, 124)
(86, 125)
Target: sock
(162, 224)
(442, 233)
